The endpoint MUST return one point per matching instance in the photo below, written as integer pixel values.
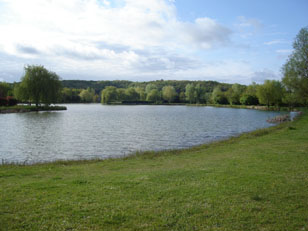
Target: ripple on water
(101, 131)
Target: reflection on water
(97, 131)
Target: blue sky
(232, 41)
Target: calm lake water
(101, 131)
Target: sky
(231, 41)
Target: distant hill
(179, 85)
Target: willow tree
(154, 96)
(169, 93)
(190, 93)
(109, 94)
(270, 92)
(39, 85)
(87, 95)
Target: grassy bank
(258, 181)
(27, 108)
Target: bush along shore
(27, 108)
(257, 181)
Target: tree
(207, 97)
(131, 94)
(249, 97)
(150, 87)
(20, 92)
(270, 93)
(71, 95)
(295, 71)
(234, 93)
(87, 95)
(5, 89)
(51, 87)
(39, 85)
(182, 96)
(121, 94)
(109, 94)
(249, 100)
(169, 93)
(141, 92)
(154, 96)
(218, 97)
(190, 93)
(200, 93)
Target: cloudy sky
(224, 40)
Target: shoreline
(26, 108)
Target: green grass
(258, 181)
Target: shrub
(8, 101)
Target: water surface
(87, 131)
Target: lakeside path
(258, 181)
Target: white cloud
(274, 42)
(105, 2)
(250, 23)
(284, 51)
(206, 33)
(248, 27)
(139, 40)
(260, 76)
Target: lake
(87, 131)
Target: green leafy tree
(70, 95)
(131, 94)
(52, 88)
(96, 98)
(21, 93)
(109, 94)
(141, 92)
(5, 89)
(154, 96)
(207, 97)
(218, 96)
(190, 93)
(169, 93)
(295, 71)
(292, 99)
(39, 85)
(199, 93)
(249, 97)
(230, 96)
(150, 87)
(270, 93)
(234, 93)
(87, 95)
(121, 96)
(182, 96)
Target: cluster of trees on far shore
(38, 85)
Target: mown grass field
(258, 181)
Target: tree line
(38, 85)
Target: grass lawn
(258, 181)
